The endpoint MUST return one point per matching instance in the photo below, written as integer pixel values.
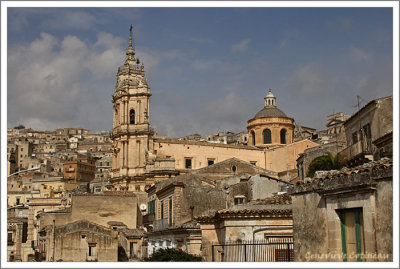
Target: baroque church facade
(140, 159)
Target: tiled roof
(277, 199)
(188, 142)
(245, 213)
(382, 164)
(136, 233)
(347, 179)
(63, 210)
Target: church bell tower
(131, 127)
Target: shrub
(172, 255)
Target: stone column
(18, 241)
(123, 113)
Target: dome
(270, 112)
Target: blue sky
(208, 68)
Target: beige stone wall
(202, 152)
(70, 246)
(384, 223)
(310, 227)
(284, 158)
(98, 209)
(277, 159)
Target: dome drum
(270, 126)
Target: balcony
(148, 219)
(357, 150)
(161, 224)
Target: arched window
(253, 138)
(283, 136)
(267, 136)
(132, 116)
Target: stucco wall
(71, 246)
(98, 209)
(384, 224)
(309, 227)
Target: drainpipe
(54, 237)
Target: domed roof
(270, 111)
(270, 94)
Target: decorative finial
(130, 30)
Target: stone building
(305, 159)
(175, 203)
(140, 158)
(93, 215)
(246, 225)
(17, 231)
(345, 215)
(80, 241)
(370, 123)
(80, 170)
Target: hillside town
(259, 195)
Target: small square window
(210, 162)
(83, 237)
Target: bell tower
(131, 127)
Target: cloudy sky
(208, 68)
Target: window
(355, 137)
(83, 236)
(188, 163)
(239, 200)
(162, 210)
(92, 249)
(234, 168)
(170, 211)
(151, 207)
(132, 116)
(253, 138)
(17, 201)
(210, 162)
(253, 163)
(267, 136)
(352, 229)
(283, 136)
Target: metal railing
(253, 251)
(161, 224)
(356, 149)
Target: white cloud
(241, 46)
(52, 81)
(306, 80)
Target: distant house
(371, 122)
(80, 241)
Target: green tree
(172, 255)
(325, 163)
